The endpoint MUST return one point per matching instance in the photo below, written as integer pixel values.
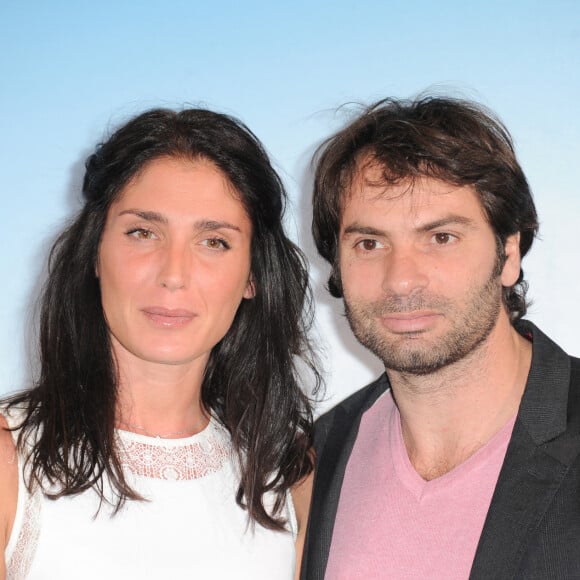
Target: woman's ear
(250, 290)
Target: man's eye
(443, 238)
(368, 245)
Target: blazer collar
(537, 460)
(544, 404)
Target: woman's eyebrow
(150, 216)
(215, 225)
(199, 225)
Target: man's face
(420, 271)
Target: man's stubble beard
(470, 327)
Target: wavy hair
(453, 140)
(251, 381)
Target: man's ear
(512, 264)
(250, 290)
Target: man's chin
(413, 363)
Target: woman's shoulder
(7, 444)
(12, 413)
(8, 479)
(10, 420)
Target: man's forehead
(423, 199)
(373, 183)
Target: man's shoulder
(550, 406)
(350, 409)
(574, 392)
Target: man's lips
(168, 317)
(404, 322)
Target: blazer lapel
(537, 459)
(528, 482)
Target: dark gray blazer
(532, 529)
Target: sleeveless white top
(189, 527)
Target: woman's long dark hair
(251, 382)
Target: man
(463, 459)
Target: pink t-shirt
(391, 523)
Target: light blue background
(72, 70)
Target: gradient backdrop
(72, 70)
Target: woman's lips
(406, 322)
(168, 317)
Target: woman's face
(174, 263)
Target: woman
(167, 427)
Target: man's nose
(404, 272)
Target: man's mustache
(397, 304)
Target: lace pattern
(175, 459)
(25, 546)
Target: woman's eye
(216, 244)
(141, 234)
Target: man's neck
(448, 415)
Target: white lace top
(189, 527)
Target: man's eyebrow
(449, 220)
(199, 225)
(356, 228)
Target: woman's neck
(160, 399)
